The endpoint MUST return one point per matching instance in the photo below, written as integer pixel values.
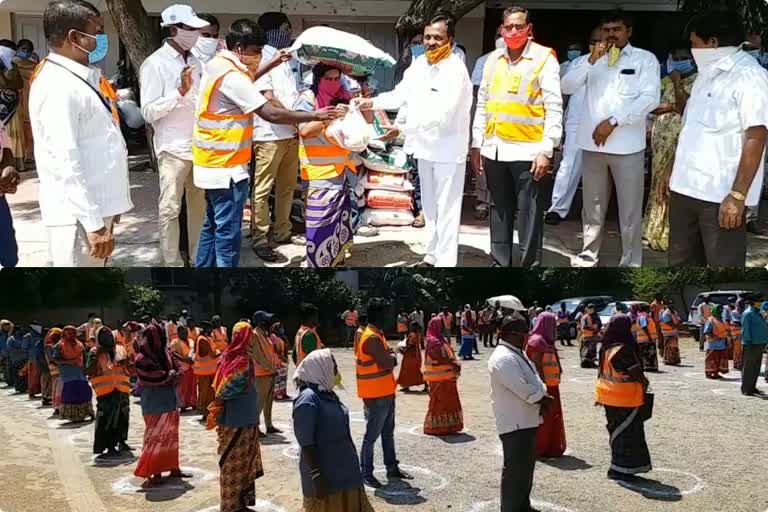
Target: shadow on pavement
(567, 463)
(167, 489)
(272, 439)
(71, 425)
(460, 438)
(653, 489)
(400, 492)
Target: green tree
(754, 12)
(144, 301)
(36, 288)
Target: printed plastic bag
(392, 161)
(373, 180)
(379, 217)
(388, 199)
(351, 53)
(350, 132)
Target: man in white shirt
(623, 86)
(275, 147)
(227, 101)
(81, 156)
(518, 123)
(169, 81)
(518, 399)
(437, 92)
(9, 180)
(718, 169)
(568, 174)
(208, 43)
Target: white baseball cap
(183, 14)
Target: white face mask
(707, 58)
(186, 39)
(207, 46)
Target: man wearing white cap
(169, 81)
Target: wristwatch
(614, 122)
(737, 195)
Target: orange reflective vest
(110, 380)
(551, 367)
(719, 329)
(300, 354)
(514, 109)
(642, 336)
(320, 158)
(435, 371)
(372, 381)
(269, 353)
(615, 388)
(670, 329)
(173, 331)
(590, 329)
(358, 334)
(204, 365)
(220, 140)
(220, 340)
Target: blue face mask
(418, 50)
(24, 55)
(100, 52)
(574, 54)
(683, 66)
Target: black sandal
(265, 252)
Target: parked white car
(606, 313)
(717, 297)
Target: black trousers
(696, 238)
(517, 475)
(751, 359)
(515, 194)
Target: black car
(577, 305)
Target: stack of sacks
(385, 184)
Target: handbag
(646, 410)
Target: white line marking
(124, 485)
(488, 506)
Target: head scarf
(542, 337)
(317, 368)
(70, 349)
(717, 311)
(105, 342)
(619, 331)
(235, 373)
(153, 362)
(132, 326)
(53, 336)
(434, 336)
(323, 99)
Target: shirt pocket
(715, 113)
(629, 85)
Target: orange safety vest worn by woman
(719, 329)
(300, 354)
(670, 329)
(551, 368)
(615, 388)
(320, 158)
(435, 371)
(372, 381)
(115, 377)
(269, 352)
(204, 365)
(642, 336)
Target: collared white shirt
(236, 94)
(494, 147)
(81, 156)
(282, 82)
(439, 100)
(515, 389)
(171, 115)
(724, 103)
(574, 112)
(627, 91)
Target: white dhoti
(68, 246)
(442, 192)
(567, 177)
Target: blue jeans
(220, 238)
(352, 179)
(379, 421)
(9, 251)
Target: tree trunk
(135, 29)
(418, 15)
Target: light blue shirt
(718, 344)
(754, 330)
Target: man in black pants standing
(517, 125)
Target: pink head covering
(542, 337)
(435, 333)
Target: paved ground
(138, 245)
(706, 440)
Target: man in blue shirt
(754, 339)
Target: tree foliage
(36, 288)
(143, 300)
(754, 12)
(647, 282)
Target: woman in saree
(468, 332)
(331, 480)
(235, 415)
(107, 367)
(441, 371)
(158, 372)
(410, 369)
(715, 344)
(205, 368)
(541, 349)
(277, 338)
(621, 386)
(323, 171)
(735, 333)
(18, 360)
(30, 344)
(76, 394)
(52, 337)
(670, 325)
(665, 133)
(186, 386)
(26, 62)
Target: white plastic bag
(350, 132)
(382, 217)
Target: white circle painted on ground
(442, 482)
(583, 380)
(260, 506)
(676, 384)
(292, 452)
(418, 430)
(544, 506)
(357, 416)
(701, 377)
(697, 487)
(125, 485)
(724, 391)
